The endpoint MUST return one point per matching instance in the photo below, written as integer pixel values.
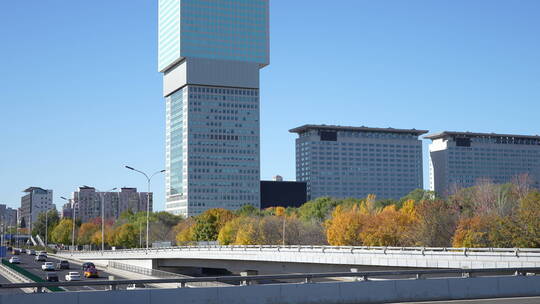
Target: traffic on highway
(52, 269)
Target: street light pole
(73, 221)
(148, 179)
(46, 227)
(102, 196)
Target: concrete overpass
(286, 259)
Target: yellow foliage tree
(344, 227)
(391, 227)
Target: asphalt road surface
(28, 263)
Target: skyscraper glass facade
(220, 29)
(210, 53)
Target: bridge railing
(303, 277)
(333, 249)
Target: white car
(73, 276)
(14, 260)
(47, 266)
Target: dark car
(62, 265)
(87, 265)
(51, 277)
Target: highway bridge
(288, 259)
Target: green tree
(126, 236)
(51, 218)
(61, 234)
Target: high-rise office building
(344, 162)
(35, 201)
(86, 203)
(210, 54)
(461, 159)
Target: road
(28, 263)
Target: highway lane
(28, 263)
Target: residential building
(282, 193)
(461, 159)
(35, 201)
(353, 162)
(67, 211)
(86, 203)
(210, 54)
(8, 216)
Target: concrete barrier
(311, 293)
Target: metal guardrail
(332, 249)
(305, 277)
(156, 273)
(144, 271)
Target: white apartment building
(87, 203)
(460, 159)
(35, 201)
(352, 162)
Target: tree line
(485, 215)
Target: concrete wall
(327, 293)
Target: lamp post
(102, 196)
(148, 179)
(73, 220)
(46, 226)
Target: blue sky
(80, 95)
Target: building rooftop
(31, 189)
(305, 128)
(473, 134)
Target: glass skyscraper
(210, 53)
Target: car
(136, 286)
(87, 264)
(9, 248)
(40, 258)
(32, 252)
(63, 265)
(23, 250)
(91, 272)
(51, 277)
(15, 260)
(43, 253)
(16, 251)
(73, 276)
(47, 266)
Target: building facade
(86, 203)
(461, 159)
(210, 54)
(8, 216)
(279, 193)
(35, 201)
(352, 162)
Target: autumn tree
(209, 223)
(86, 232)
(345, 225)
(391, 227)
(436, 224)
